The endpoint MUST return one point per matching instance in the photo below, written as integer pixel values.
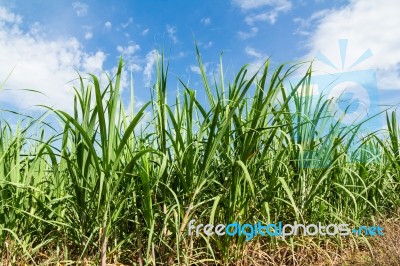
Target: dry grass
(378, 251)
(385, 250)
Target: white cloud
(35, 29)
(306, 24)
(269, 16)
(172, 33)
(88, 35)
(366, 24)
(151, 58)
(8, 17)
(195, 69)
(246, 35)
(207, 67)
(258, 59)
(254, 4)
(108, 25)
(252, 52)
(263, 10)
(145, 32)
(205, 45)
(208, 45)
(126, 24)
(179, 55)
(94, 63)
(206, 21)
(128, 54)
(128, 50)
(80, 8)
(45, 65)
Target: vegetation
(113, 187)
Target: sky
(44, 43)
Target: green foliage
(104, 189)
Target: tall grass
(103, 189)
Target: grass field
(118, 185)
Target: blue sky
(43, 42)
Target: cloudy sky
(43, 43)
